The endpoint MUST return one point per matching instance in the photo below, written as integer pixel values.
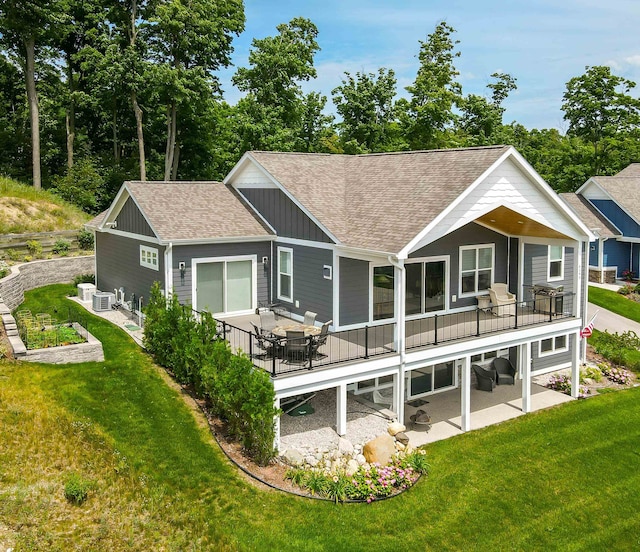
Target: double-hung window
(556, 263)
(476, 268)
(285, 274)
(149, 257)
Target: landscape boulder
(380, 450)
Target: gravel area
(316, 432)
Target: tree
(599, 109)
(365, 103)
(26, 27)
(435, 92)
(271, 112)
(315, 127)
(481, 118)
(190, 40)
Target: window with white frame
(149, 257)
(476, 268)
(553, 345)
(488, 356)
(285, 273)
(556, 263)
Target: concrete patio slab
(546, 399)
(438, 432)
(490, 416)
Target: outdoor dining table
(281, 331)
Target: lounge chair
(505, 371)
(486, 379)
(504, 303)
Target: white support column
(465, 395)
(525, 354)
(341, 402)
(601, 258)
(276, 424)
(575, 366)
(398, 393)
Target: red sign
(586, 332)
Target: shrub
(61, 247)
(35, 248)
(562, 383)
(625, 290)
(12, 254)
(621, 349)
(197, 355)
(76, 489)
(591, 372)
(3, 272)
(616, 375)
(84, 279)
(85, 240)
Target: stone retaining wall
(36, 274)
(91, 351)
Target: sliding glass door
(430, 379)
(426, 287)
(224, 286)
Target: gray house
(399, 250)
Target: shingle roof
(96, 221)
(590, 216)
(624, 190)
(195, 211)
(378, 201)
(632, 170)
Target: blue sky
(543, 43)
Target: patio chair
(310, 318)
(504, 303)
(379, 398)
(263, 342)
(486, 379)
(267, 321)
(505, 371)
(320, 340)
(295, 347)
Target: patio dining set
(291, 341)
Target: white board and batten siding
(507, 185)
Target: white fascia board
(363, 254)
(331, 377)
(406, 250)
(115, 207)
(138, 237)
(246, 158)
(628, 240)
(237, 167)
(593, 181)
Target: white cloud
(633, 60)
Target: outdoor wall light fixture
(183, 268)
(265, 261)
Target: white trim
(327, 272)
(336, 289)
(305, 243)
(477, 291)
(555, 368)
(561, 260)
(138, 237)
(225, 260)
(168, 268)
(147, 256)
(554, 349)
(289, 250)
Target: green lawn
(562, 479)
(614, 302)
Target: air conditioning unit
(103, 300)
(86, 291)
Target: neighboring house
(397, 249)
(610, 207)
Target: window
(425, 287)
(553, 345)
(382, 292)
(556, 263)
(488, 356)
(149, 257)
(476, 268)
(285, 273)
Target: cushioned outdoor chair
(503, 302)
(505, 371)
(486, 379)
(310, 318)
(319, 340)
(263, 342)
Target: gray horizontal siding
(187, 253)
(288, 220)
(536, 266)
(354, 291)
(470, 234)
(550, 361)
(311, 289)
(130, 219)
(118, 265)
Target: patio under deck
(366, 420)
(363, 343)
